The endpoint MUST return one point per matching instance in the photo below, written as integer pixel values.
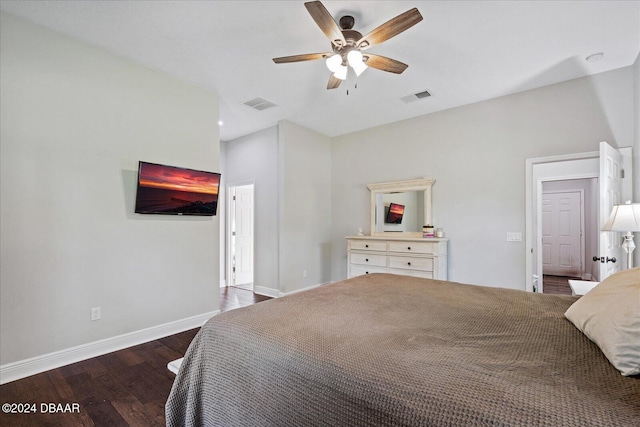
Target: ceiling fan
(348, 45)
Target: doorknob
(603, 259)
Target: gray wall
(291, 169)
(477, 155)
(305, 221)
(255, 158)
(75, 121)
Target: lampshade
(333, 62)
(341, 72)
(624, 218)
(359, 68)
(354, 58)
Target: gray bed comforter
(388, 350)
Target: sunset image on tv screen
(395, 214)
(173, 190)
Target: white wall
(305, 209)
(255, 158)
(75, 120)
(477, 155)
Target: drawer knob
(366, 246)
(408, 263)
(408, 248)
(366, 259)
(366, 272)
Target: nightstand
(581, 287)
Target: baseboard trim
(267, 292)
(282, 294)
(35, 365)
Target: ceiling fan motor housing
(351, 37)
(347, 22)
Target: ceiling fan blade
(334, 82)
(325, 21)
(298, 58)
(383, 63)
(391, 28)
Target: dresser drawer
(411, 263)
(412, 247)
(368, 245)
(414, 273)
(359, 270)
(368, 259)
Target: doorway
(240, 248)
(569, 236)
(612, 170)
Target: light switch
(514, 237)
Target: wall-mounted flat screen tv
(172, 190)
(395, 213)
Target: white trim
(420, 184)
(529, 198)
(229, 217)
(35, 365)
(267, 292)
(284, 294)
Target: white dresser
(410, 256)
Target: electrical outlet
(304, 273)
(95, 313)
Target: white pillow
(610, 316)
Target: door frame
(582, 226)
(228, 246)
(533, 209)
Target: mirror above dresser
(400, 207)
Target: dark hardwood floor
(124, 388)
(236, 297)
(558, 285)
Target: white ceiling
(462, 52)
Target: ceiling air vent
(259, 104)
(415, 97)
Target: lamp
(625, 218)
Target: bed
(390, 350)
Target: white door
(242, 235)
(610, 194)
(562, 234)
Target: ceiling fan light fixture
(347, 43)
(355, 60)
(334, 62)
(359, 68)
(354, 57)
(341, 72)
